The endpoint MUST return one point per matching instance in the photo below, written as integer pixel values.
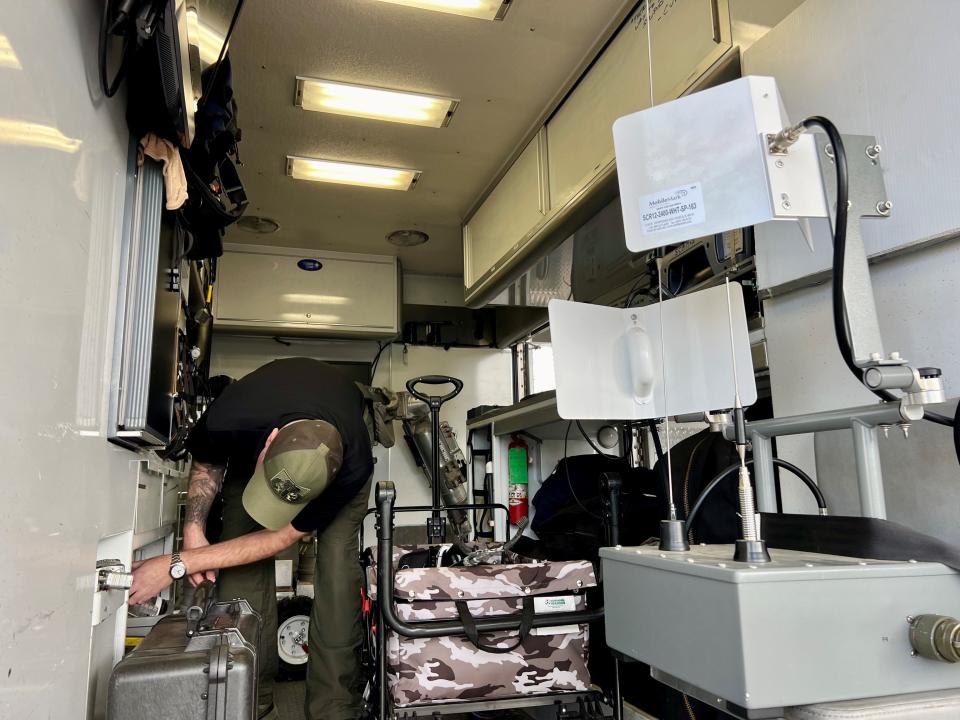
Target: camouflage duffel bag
(487, 665)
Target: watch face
(178, 570)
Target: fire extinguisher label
(517, 464)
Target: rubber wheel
(293, 621)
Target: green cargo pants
(333, 671)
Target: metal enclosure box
(806, 628)
(699, 165)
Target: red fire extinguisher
(517, 458)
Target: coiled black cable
(840, 325)
(789, 466)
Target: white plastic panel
(698, 165)
(609, 365)
(513, 209)
(262, 287)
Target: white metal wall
(63, 164)
(880, 67)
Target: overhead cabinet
(574, 150)
(514, 208)
(270, 290)
(579, 136)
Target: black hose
(223, 51)
(107, 28)
(790, 467)
(956, 430)
(840, 325)
(596, 448)
(661, 459)
(939, 420)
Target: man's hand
(193, 538)
(150, 578)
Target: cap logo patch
(287, 490)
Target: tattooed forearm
(205, 482)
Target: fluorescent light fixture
(311, 299)
(8, 58)
(207, 40)
(483, 9)
(377, 103)
(345, 173)
(20, 132)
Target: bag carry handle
(206, 593)
(434, 400)
(470, 627)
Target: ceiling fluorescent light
(483, 9)
(8, 58)
(208, 41)
(20, 132)
(370, 102)
(344, 173)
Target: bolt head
(786, 204)
(876, 357)
(894, 355)
(779, 163)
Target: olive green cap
(299, 464)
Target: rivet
(723, 565)
(861, 563)
(913, 653)
(203, 696)
(579, 584)
(619, 547)
(808, 564)
(910, 619)
(747, 696)
(752, 567)
(690, 560)
(460, 593)
(914, 562)
(639, 552)
(526, 590)
(663, 555)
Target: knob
(936, 637)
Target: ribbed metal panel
(141, 297)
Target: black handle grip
(434, 380)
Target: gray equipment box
(210, 674)
(753, 639)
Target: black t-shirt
(234, 428)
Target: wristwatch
(177, 568)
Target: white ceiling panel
(504, 73)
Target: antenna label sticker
(672, 209)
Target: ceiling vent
(407, 238)
(258, 224)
